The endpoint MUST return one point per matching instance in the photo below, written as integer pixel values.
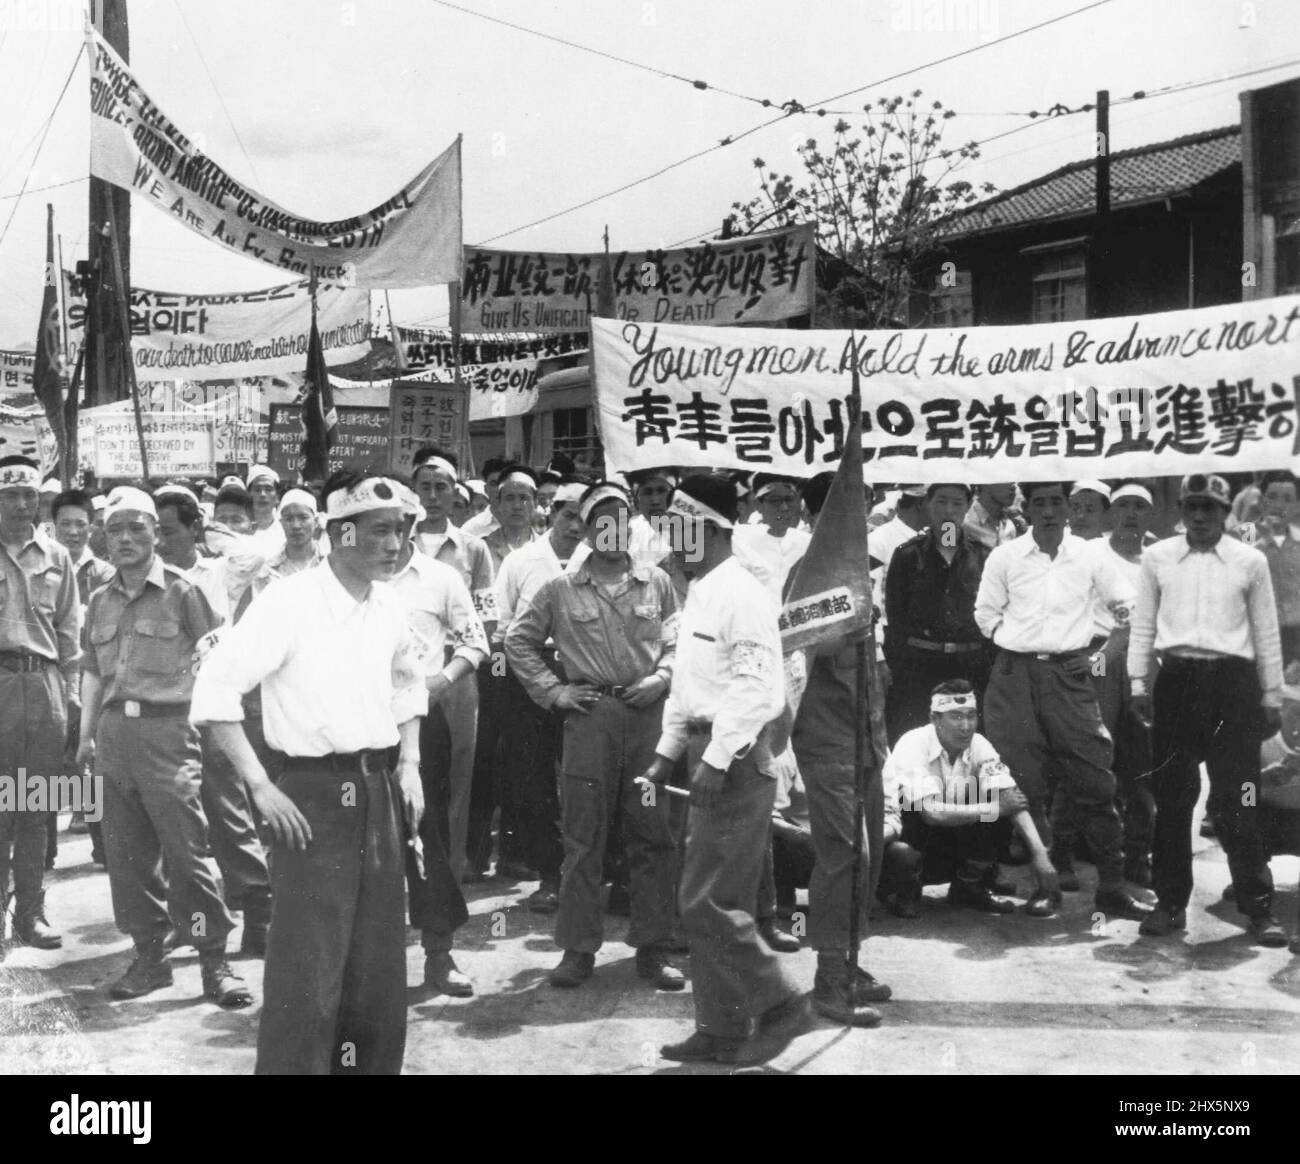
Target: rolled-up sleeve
(524, 639)
(247, 653)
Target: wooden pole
(1099, 284)
(124, 322)
(862, 667)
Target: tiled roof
(1152, 171)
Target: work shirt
(927, 597)
(983, 528)
(769, 558)
(609, 639)
(337, 674)
(523, 573)
(1033, 603)
(919, 768)
(40, 609)
(441, 612)
(92, 573)
(500, 548)
(727, 671)
(145, 648)
(1207, 604)
(471, 559)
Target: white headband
(1097, 487)
(476, 487)
(515, 477)
(606, 492)
(372, 493)
(685, 505)
(440, 465)
(297, 497)
(1133, 490)
(573, 491)
(767, 488)
(20, 477)
(942, 703)
(175, 491)
(257, 472)
(125, 499)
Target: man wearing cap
(263, 487)
(728, 687)
(144, 631)
(1035, 603)
(930, 632)
(1205, 603)
(1089, 501)
(454, 643)
(342, 682)
(532, 745)
(611, 620)
(40, 627)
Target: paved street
(972, 994)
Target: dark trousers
(530, 791)
(489, 765)
(734, 976)
(932, 855)
(437, 904)
(1208, 711)
(232, 832)
(914, 673)
(1043, 718)
(335, 981)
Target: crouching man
(949, 801)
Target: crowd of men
(354, 701)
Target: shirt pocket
(106, 645)
(647, 622)
(45, 589)
(157, 643)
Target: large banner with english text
(1214, 389)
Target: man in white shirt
(343, 681)
(989, 521)
(1205, 603)
(263, 486)
(948, 801)
(453, 640)
(728, 686)
(1035, 602)
(769, 549)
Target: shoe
(516, 871)
(442, 973)
(574, 969)
(1230, 892)
(1267, 931)
(619, 903)
(1137, 871)
(776, 1028)
(1066, 877)
(1121, 903)
(776, 938)
(703, 1048)
(149, 971)
(652, 963)
(1001, 886)
(834, 998)
(545, 898)
(31, 929)
(221, 983)
(868, 988)
(1162, 922)
(969, 896)
(1042, 904)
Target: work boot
(574, 969)
(257, 923)
(31, 927)
(149, 971)
(1163, 922)
(972, 895)
(442, 973)
(777, 939)
(221, 983)
(834, 998)
(1121, 903)
(702, 1047)
(1267, 931)
(652, 963)
(545, 898)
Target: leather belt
(141, 709)
(1048, 656)
(943, 648)
(613, 692)
(699, 727)
(368, 761)
(23, 662)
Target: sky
(328, 108)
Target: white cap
(128, 499)
(257, 472)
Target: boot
(31, 928)
(220, 982)
(257, 921)
(149, 971)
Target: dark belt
(1189, 661)
(141, 709)
(1048, 657)
(614, 692)
(23, 662)
(367, 762)
(943, 648)
(699, 727)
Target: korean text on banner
(1214, 389)
(410, 240)
(176, 335)
(180, 444)
(361, 439)
(16, 371)
(761, 278)
(422, 414)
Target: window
(573, 432)
(1060, 288)
(951, 303)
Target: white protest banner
(20, 433)
(1209, 390)
(179, 444)
(176, 335)
(411, 240)
(755, 279)
(16, 376)
(495, 390)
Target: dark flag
(606, 304)
(319, 419)
(49, 373)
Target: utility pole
(1099, 304)
(107, 351)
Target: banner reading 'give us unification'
(1214, 389)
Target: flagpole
(124, 321)
(861, 705)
